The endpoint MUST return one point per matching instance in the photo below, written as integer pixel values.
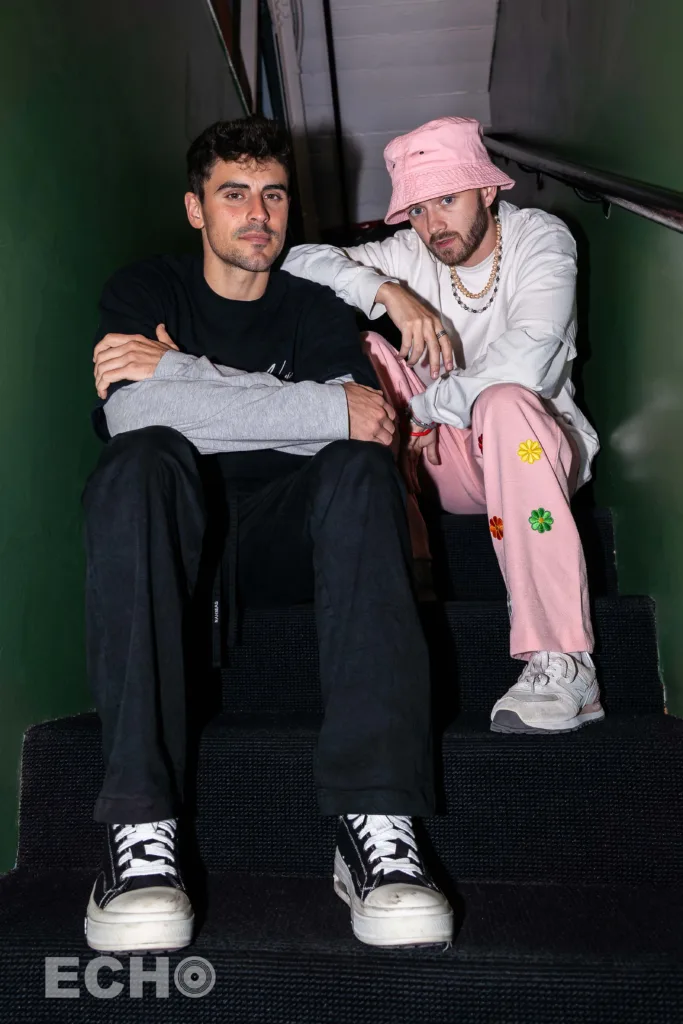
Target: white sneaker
(379, 872)
(555, 693)
(138, 902)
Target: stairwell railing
(662, 205)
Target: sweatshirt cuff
(172, 363)
(418, 407)
(368, 284)
(337, 412)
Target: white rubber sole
(154, 933)
(378, 927)
(508, 721)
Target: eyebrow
(246, 187)
(446, 195)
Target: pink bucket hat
(442, 156)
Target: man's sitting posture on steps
(217, 362)
(499, 432)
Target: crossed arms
(147, 382)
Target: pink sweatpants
(518, 465)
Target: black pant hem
(376, 801)
(133, 811)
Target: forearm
(220, 409)
(535, 349)
(352, 280)
(517, 358)
(449, 400)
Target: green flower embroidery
(541, 520)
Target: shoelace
(541, 670)
(379, 834)
(158, 839)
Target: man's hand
(371, 417)
(411, 453)
(128, 357)
(428, 444)
(418, 326)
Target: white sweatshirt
(526, 337)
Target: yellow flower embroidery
(530, 451)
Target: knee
(375, 344)
(137, 456)
(354, 479)
(386, 362)
(502, 399)
(149, 447)
(357, 460)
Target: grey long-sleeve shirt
(221, 409)
(251, 380)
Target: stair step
(275, 667)
(282, 951)
(466, 567)
(601, 805)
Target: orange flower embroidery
(496, 527)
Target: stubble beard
(461, 249)
(257, 262)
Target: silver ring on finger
(441, 334)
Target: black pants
(335, 531)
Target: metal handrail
(662, 205)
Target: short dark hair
(248, 138)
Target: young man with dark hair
(215, 368)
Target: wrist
(418, 424)
(414, 428)
(385, 291)
(170, 365)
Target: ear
(193, 208)
(488, 194)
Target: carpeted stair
(561, 855)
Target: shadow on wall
(98, 105)
(528, 192)
(327, 188)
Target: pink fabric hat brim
(430, 184)
(443, 156)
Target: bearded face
(454, 226)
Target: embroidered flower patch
(530, 451)
(541, 520)
(496, 527)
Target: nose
(257, 210)
(436, 220)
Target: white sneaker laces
(158, 838)
(379, 834)
(546, 667)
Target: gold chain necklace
(457, 283)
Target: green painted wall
(601, 83)
(97, 105)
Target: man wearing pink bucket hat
(485, 302)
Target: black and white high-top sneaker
(138, 902)
(379, 872)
